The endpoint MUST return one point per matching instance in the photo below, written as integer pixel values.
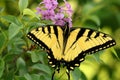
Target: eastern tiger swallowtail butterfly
(68, 46)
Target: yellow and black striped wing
(50, 38)
(69, 45)
(82, 41)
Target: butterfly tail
(53, 75)
(68, 74)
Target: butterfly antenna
(53, 75)
(68, 73)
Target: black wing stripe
(43, 29)
(56, 31)
(81, 32)
(34, 39)
(97, 35)
(90, 33)
(101, 47)
(49, 29)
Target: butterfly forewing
(50, 37)
(82, 40)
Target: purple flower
(38, 10)
(59, 15)
(50, 4)
(69, 9)
(58, 19)
(47, 14)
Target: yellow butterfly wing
(82, 41)
(69, 45)
(50, 38)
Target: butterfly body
(68, 46)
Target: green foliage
(2, 64)
(30, 13)
(20, 59)
(22, 5)
(77, 74)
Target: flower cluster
(59, 15)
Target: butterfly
(69, 46)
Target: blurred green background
(20, 59)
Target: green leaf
(3, 41)
(35, 77)
(42, 67)
(90, 8)
(9, 75)
(37, 55)
(78, 75)
(42, 77)
(13, 30)
(28, 77)
(10, 57)
(34, 56)
(22, 5)
(20, 63)
(21, 66)
(2, 67)
(94, 19)
(32, 76)
(30, 13)
(115, 53)
(12, 19)
(97, 57)
(87, 8)
(19, 78)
